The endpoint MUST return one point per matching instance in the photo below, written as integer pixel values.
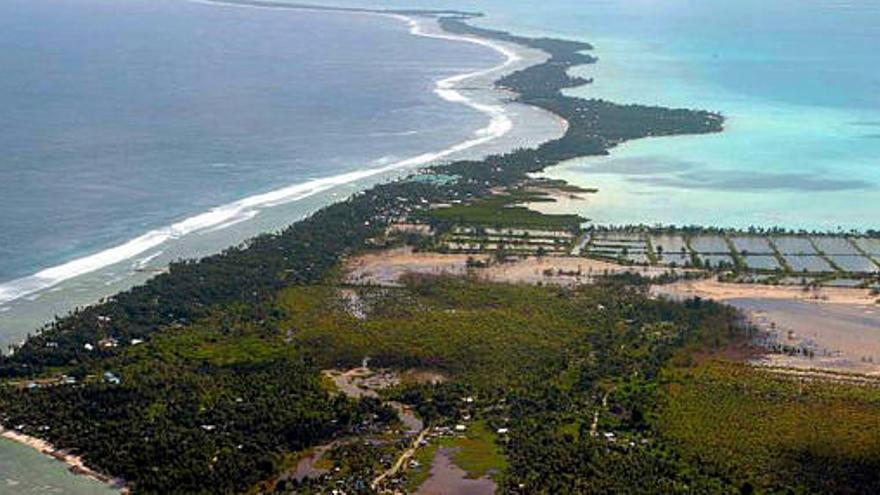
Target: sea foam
(245, 209)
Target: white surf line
(245, 209)
(143, 262)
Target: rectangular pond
(761, 262)
(716, 260)
(668, 243)
(835, 245)
(843, 282)
(858, 264)
(619, 246)
(752, 245)
(869, 245)
(808, 264)
(619, 236)
(674, 259)
(794, 245)
(710, 244)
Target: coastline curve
(245, 209)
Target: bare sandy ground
(363, 381)
(387, 268)
(366, 382)
(722, 291)
(840, 327)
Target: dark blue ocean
(121, 117)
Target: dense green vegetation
(538, 360)
(455, 327)
(176, 425)
(502, 211)
(776, 433)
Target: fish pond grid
(825, 256)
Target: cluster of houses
(107, 377)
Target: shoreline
(538, 88)
(152, 243)
(75, 464)
(246, 208)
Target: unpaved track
(405, 456)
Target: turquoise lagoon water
(798, 85)
(798, 81)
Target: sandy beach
(75, 463)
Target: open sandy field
(722, 291)
(839, 326)
(387, 267)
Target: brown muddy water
(448, 479)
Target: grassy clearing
(558, 185)
(210, 344)
(477, 453)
